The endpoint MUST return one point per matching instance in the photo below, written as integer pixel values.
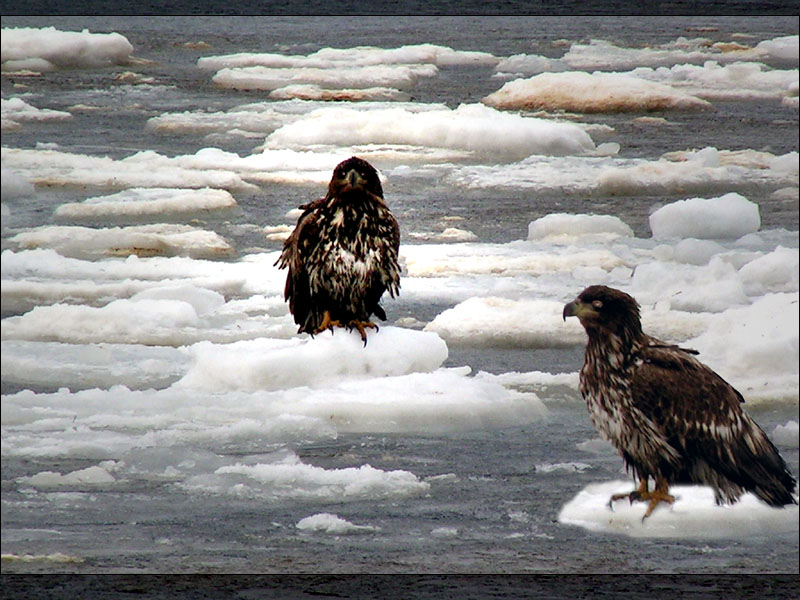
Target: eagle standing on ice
(670, 416)
(342, 255)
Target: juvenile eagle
(670, 416)
(342, 254)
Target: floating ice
(160, 239)
(15, 110)
(730, 216)
(316, 92)
(83, 366)
(472, 127)
(529, 64)
(48, 48)
(157, 315)
(358, 56)
(290, 478)
(602, 54)
(499, 322)
(146, 202)
(330, 523)
(565, 228)
(712, 81)
(340, 77)
(143, 169)
(258, 118)
(590, 92)
(268, 364)
(693, 515)
(785, 47)
(34, 277)
(756, 348)
(703, 171)
(91, 477)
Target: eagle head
(602, 309)
(354, 175)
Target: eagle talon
(362, 326)
(327, 323)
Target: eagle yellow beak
(576, 308)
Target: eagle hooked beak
(570, 310)
(354, 179)
(576, 308)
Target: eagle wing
(699, 415)
(294, 255)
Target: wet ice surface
(155, 392)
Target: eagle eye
(597, 304)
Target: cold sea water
(482, 497)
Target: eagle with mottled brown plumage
(670, 416)
(343, 254)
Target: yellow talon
(362, 326)
(327, 323)
(642, 494)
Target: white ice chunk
(330, 523)
(48, 48)
(712, 81)
(590, 93)
(290, 478)
(267, 364)
(694, 515)
(358, 56)
(785, 47)
(729, 216)
(147, 202)
(755, 348)
(162, 239)
(334, 77)
(704, 171)
(311, 91)
(472, 127)
(19, 111)
(143, 169)
(566, 228)
(500, 322)
(48, 480)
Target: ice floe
(47, 49)
(146, 202)
(694, 515)
(330, 523)
(478, 129)
(591, 93)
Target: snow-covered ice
(591, 93)
(693, 515)
(146, 202)
(47, 49)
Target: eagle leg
(327, 323)
(636, 494)
(362, 326)
(642, 494)
(657, 496)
